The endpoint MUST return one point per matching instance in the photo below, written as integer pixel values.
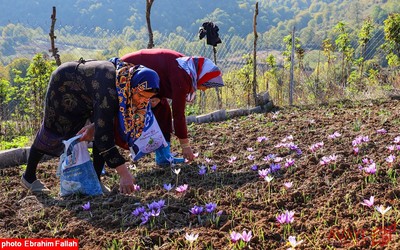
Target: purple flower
(397, 140)
(390, 158)
(381, 131)
(254, 167)
(334, 135)
(288, 185)
(182, 188)
(250, 149)
(368, 203)
(286, 217)
(264, 172)
(136, 187)
(214, 167)
(210, 207)
(202, 170)
(145, 218)
(208, 160)
(251, 157)
(289, 162)
(220, 212)
(138, 211)
(261, 138)
(235, 236)
(275, 167)
(246, 236)
(86, 206)
(232, 159)
(196, 210)
(168, 187)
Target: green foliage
(17, 142)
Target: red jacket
(175, 84)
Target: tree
(343, 45)
(392, 39)
(149, 3)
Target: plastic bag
(151, 138)
(76, 171)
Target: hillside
(312, 148)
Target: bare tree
(53, 49)
(254, 83)
(149, 3)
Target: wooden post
(53, 49)
(254, 83)
(291, 88)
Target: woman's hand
(186, 149)
(126, 179)
(188, 153)
(87, 133)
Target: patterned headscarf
(133, 83)
(202, 71)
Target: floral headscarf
(135, 85)
(202, 71)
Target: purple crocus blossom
(263, 173)
(136, 187)
(254, 167)
(289, 162)
(261, 138)
(250, 149)
(275, 167)
(381, 131)
(251, 157)
(368, 203)
(138, 211)
(168, 187)
(202, 170)
(286, 217)
(232, 159)
(182, 188)
(397, 140)
(235, 236)
(196, 210)
(390, 158)
(86, 206)
(334, 135)
(246, 236)
(210, 207)
(214, 167)
(208, 160)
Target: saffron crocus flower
(196, 210)
(210, 207)
(136, 187)
(334, 135)
(246, 236)
(268, 178)
(390, 159)
(86, 206)
(356, 150)
(232, 159)
(275, 167)
(293, 242)
(196, 154)
(263, 172)
(250, 149)
(208, 160)
(381, 209)
(191, 237)
(288, 185)
(176, 171)
(254, 167)
(138, 211)
(261, 138)
(251, 157)
(397, 140)
(368, 203)
(289, 162)
(391, 148)
(202, 170)
(285, 218)
(381, 131)
(235, 236)
(370, 169)
(168, 187)
(182, 188)
(214, 168)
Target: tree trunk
(149, 3)
(254, 83)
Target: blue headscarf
(132, 80)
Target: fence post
(291, 87)
(254, 83)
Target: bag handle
(70, 143)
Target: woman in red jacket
(180, 77)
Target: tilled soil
(326, 199)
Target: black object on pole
(210, 30)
